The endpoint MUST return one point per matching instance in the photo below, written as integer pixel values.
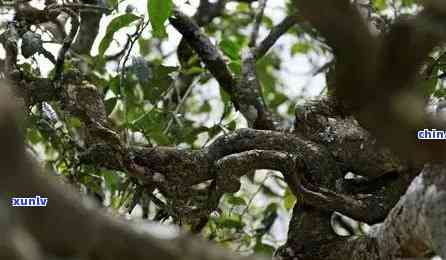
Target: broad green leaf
(230, 49)
(159, 11)
(115, 25)
(159, 82)
(112, 180)
(110, 104)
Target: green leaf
(194, 71)
(112, 3)
(115, 25)
(112, 180)
(237, 201)
(145, 46)
(379, 4)
(232, 125)
(235, 67)
(429, 85)
(110, 104)
(407, 3)
(206, 108)
(300, 48)
(230, 49)
(160, 82)
(229, 223)
(263, 249)
(159, 11)
(269, 217)
(440, 93)
(152, 123)
(183, 130)
(289, 200)
(226, 99)
(33, 136)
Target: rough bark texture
(413, 229)
(332, 137)
(88, 30)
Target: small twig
(259, 189)
(120, 53)
(182, 101)
(133, 39)
(324, 67)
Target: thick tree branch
(58, 70)
(413, 228)
(313, 159)
(277, 32)
(88, 29)
(324, 122)
(369, 208)
(257, 22)
(385, 69)
(9, 40)
(206, 50)
(249, 97)
(191, 167)
(205, 14)
(207, 11)
(67, 227)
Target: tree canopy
(192, 113)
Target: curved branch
(249, 95)
(246, 99)
(366, 208)
(257, 22)
(71, 228)
(277, 32)
(325, 123)
(413, 229)
(206, 50)
(58, 70)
